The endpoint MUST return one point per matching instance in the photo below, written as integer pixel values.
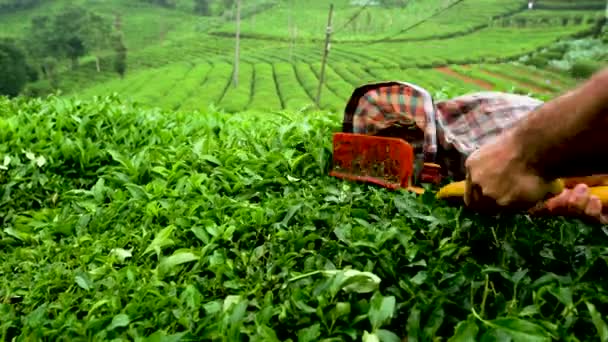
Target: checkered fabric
(445, 132)
(376, 109)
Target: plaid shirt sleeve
(467, 122)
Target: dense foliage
(162, 3)
(129, 224)
(13, 68)
(8, 6)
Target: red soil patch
(479, 83)
(532, 87)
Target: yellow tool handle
(456, 190)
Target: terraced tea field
(292, 80)
(173, 205)
(278, 86)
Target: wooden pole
(292, 31)
(325, 53)
(237, 44)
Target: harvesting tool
(389, 162)
(384, 161)
(388, 157)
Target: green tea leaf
(465, 331)
(230, 301)
(529, 310)
(520, 330)
(310, 334)
(19, 235)
(121, 254)
(201, 234)
(191, 297)
(211, 159)
(434, 322)
(178, 258)
(357, 281)
(598, 321)
(381, 310)
(413, 325)
(84, 281)
(370, 337)
(519, 275)
(161, 240)
(387, 336)
(419, 278)
(119, 321)
(341, 309)
(161, 336)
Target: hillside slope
(142, 24)
(177, 60)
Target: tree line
(59, 39)
(63, 38)
(8, 6)
(201, 7)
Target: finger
(579, 198)
(603, 218)
(559, 202)
(594, 208)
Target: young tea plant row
(307, 20)
(279, 86)
(164, 83)
(485, 45)
(188, 88)
(265, 94)
(478, 14)
(238, 95)
(210, 92)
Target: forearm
(568, 136)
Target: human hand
(577, 202)
(499, 176)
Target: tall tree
(71, 33)
(70, 27)
(120, 58)
(201, 7)
(228, 4)
(59, 36)
(228, 9)
(162, 3)
(43, 45)
(13, 68)
(97, 36)
(7, 6)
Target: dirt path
(532, 87)
(479, 83)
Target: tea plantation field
(170, 205)
(185, 62)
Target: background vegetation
(149, 50)
(145, 197)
